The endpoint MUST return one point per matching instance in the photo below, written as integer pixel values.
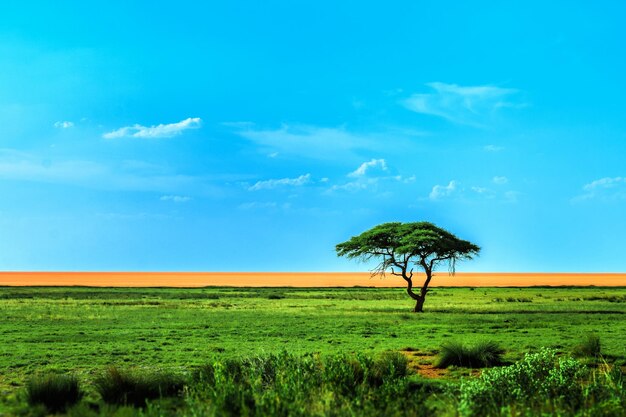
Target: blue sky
(254, 136)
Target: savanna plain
(530, 351)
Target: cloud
(354, 186)
(440, 191)
(325, 143)
(157, 131)
(265, 205)
(63, 125)
(21, 166)
(481, 190)
(511, 196)
(175, 198)
(604, 184)
(456, 191)
(275, 183)
(607, 188)
(368, 166)
(484, 192)
(367, 175)
(124, 175)
(308, 141)
(493, 148)
(462, 105)
(500, 180)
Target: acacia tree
(401, 247)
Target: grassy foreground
(82, 331)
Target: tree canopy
(400, 247)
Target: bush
(53, 391)
(537, 381)
(125, 387)
(275, 296)
(483, 354)
(289, 385)
(590, 347)
(388, 367)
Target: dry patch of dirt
(423, 364)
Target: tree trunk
(419, 305)
(419, 300)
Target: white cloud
(157, 131)
(405, 180)
(175, 198)
(353, 186)
(454, 190)
(481, 190)
(364, 178)
(264, 205)
(493, 148)
(605, 183)
(458, 104)
(326, 143)
(511, 196)
(484, 192)
(274, 183)
(63, 125)
(257, 205)
(500, 180)
(607, 188)
(309, 141)
(368, 166)
(125, 175)
(441, 191)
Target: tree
(402, 246)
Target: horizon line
(303, 279)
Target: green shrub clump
(125, 387)
(288, 385)
(590, 347)
(542, 384)
(54, 391)
(481, 355)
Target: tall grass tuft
(590, 347)
(481, 355)
(55, 392)
(125, 387)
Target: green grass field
(83, 330)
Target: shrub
(344, 373)
(388, 367)
(537, 381)
(289, 385)
(589, 347)
(125, 387)
(481, 355)
(55, 392)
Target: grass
(92, 328)
(284, 384)
(590, 347)
(83, 331)
(480, 355)
(55, 392)
(135, 387)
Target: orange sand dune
(297, 279)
